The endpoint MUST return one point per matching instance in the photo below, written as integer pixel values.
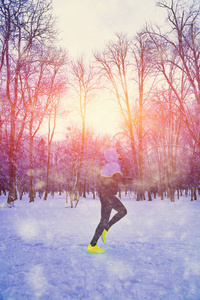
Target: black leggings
(107, 204)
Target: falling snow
(153, 253)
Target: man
(110, 179)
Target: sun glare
(104, 119)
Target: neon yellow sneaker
(95, 249)
(103, 236)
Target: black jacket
(109, 185)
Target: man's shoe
(103, 236)
(95, 249)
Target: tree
(179, 49)
(124, 63)
(83, 82)
(144, 73)
(114, 64)
(58, 91)
(26, 26)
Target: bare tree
(179, 49)
(124, 63)
(59, 90)
(176, 56)
(25, 28)
(144, 75)
(114, 64)
(83, 82)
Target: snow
(152, 253)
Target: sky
(86, 26)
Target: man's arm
(120, 179)
(127, 180)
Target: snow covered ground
(153, 253)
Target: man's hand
(118, 177)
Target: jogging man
(110, 179)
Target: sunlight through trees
(152, 80)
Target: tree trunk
(93, 191)
(149, 196)
(30, 173)
(84, 186)
(12, 194)
(47, 175)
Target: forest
(153, 79)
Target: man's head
(112, 165)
